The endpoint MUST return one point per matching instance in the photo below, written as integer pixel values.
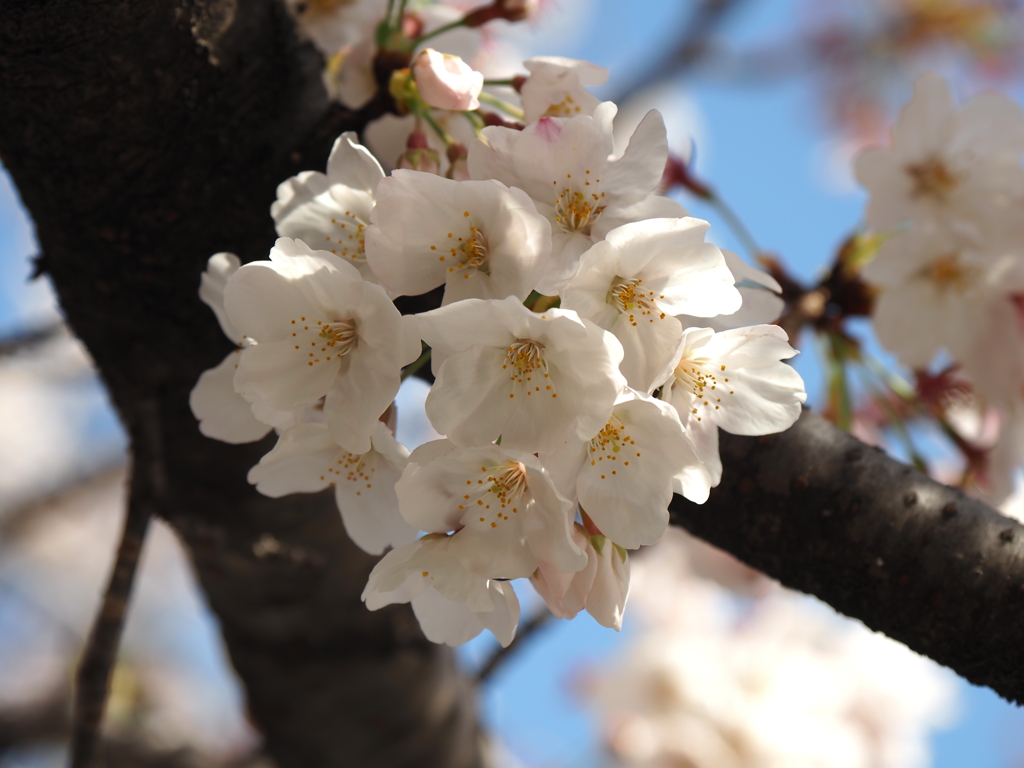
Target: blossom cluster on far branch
(944, 209)
(585, 352)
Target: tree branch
(18, 342)
(526, 630)
(927, 565)
(148, 488)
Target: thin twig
(501, 655)
(94, 671)
(26, 339)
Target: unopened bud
(447, 82)
(418, 156)
(458, 168)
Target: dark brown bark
(821, 512)
(143, 137)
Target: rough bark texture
(823, 513)
(143, 137)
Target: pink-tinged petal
(565, 594)
(606, 601)
(224, 414)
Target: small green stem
(501, 104)
(401, 14)
(509, 82)
(440, 31)
(416, 364)
(448, 140)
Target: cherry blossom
(735, 380)
(759, 292)
(565, 594)
(306, 459)
(563, 164)
(638, 277)
(223, 414)
(452, 604)
(947, 166)
(623, 476)
(557, 87)
(319, 329)
(945, 290)
(447, 82)
(478, 238)
(502, 502)
(332, 211)
(504, 371)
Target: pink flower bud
(447, 82)
(418, 156)
(458, 159)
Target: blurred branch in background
(28, 339)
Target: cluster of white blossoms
(583, 355)
(947, 196)
(777, 680)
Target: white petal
(223, 413)
(606, 601)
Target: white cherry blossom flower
(943, 290)
(478, 238)
(557, 87)
(946, 166)
(452, 604)
(623, 476)
(502, 502)
(447, 82)
(563, 164)
(642, 274)
(306, 459)
(224, 414)
(735, 380)
(319, 329)
(331, 211)
(523, 376)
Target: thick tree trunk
(143, 137)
